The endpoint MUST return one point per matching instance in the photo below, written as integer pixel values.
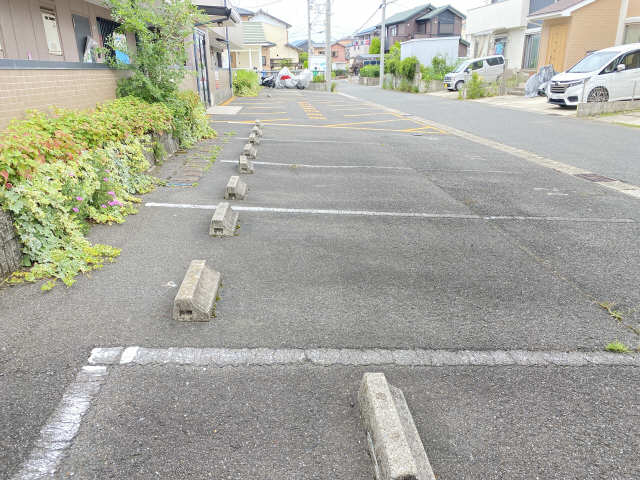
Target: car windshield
(461, 67)
(593, 62)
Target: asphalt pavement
(363, 229)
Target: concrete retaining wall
(369, 81)
(598, 108)
(321, 86)
(10, 247)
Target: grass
(617, 347)
(608, 306)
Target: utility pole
(309, 49)
(383, 37)
(327, 75)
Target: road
(369, 241)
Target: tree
(158, 65)
(374, 46)
(303, 56)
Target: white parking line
(362, 357)
(56, 436)
(367, 213)
(304, 165)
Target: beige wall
(21, 90)
(593, 27)
(242, 57)
(589, 28)
(22, 31)
(280, 37)
(634, 8)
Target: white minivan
(609, 74)
(488, 68)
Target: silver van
(488, 68)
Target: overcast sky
(347, 15)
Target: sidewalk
(627, 119)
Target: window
(632, 33)
(493, 61)
(631, 60)
(446, 23)
(393, 31)
(334, 53)
(264, 60)
(50, 23)
(1, 44)
(476, 65)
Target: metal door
(202, 70)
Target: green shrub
(245, 83)
(370, 71)
(190, 122)
(475, 87)
(374, 46)
(392, 60)
(387, 85)
(617, 347)
(305, 64)
(319, 78)
(408, 67)
(60, 173)
(334, 85)
(340, 72)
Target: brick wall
(21, 90)
(10, 248)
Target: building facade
(502, 28)
(572, 29)
(48, 54)
(425, 21)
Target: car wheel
(598, 94)
(459, 85)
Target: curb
(394, 444)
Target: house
(254, 53)
(501, 28)
(276, 31)
(338, 56)
(47, 54)
(317, 48)
(425, 21)
(572, 29)
(361, 42)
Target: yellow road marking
(227, 101)
(360, 123)
(366, 114)
(270, 122)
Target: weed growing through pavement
(608, 306)
(617, 347)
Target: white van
(609, 74)
(488, 68)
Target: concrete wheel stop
(224, 221)
(196, 298)
(394, 443)
(245, 165)
(250, 151)
(236, 189)
(254, 138)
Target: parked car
(488, 68)
(602, 76)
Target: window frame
(51, 11)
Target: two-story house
(361, 42)
(501, 27)
(425, 21)
(572, 29)
(276, 31)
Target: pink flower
(105, 179)
(72, 175)
(111, 193)
(112, 203)
(117, 202)
(108, 171)
(75, 209)
(103, 206)
(79, 199)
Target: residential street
(369, 241)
